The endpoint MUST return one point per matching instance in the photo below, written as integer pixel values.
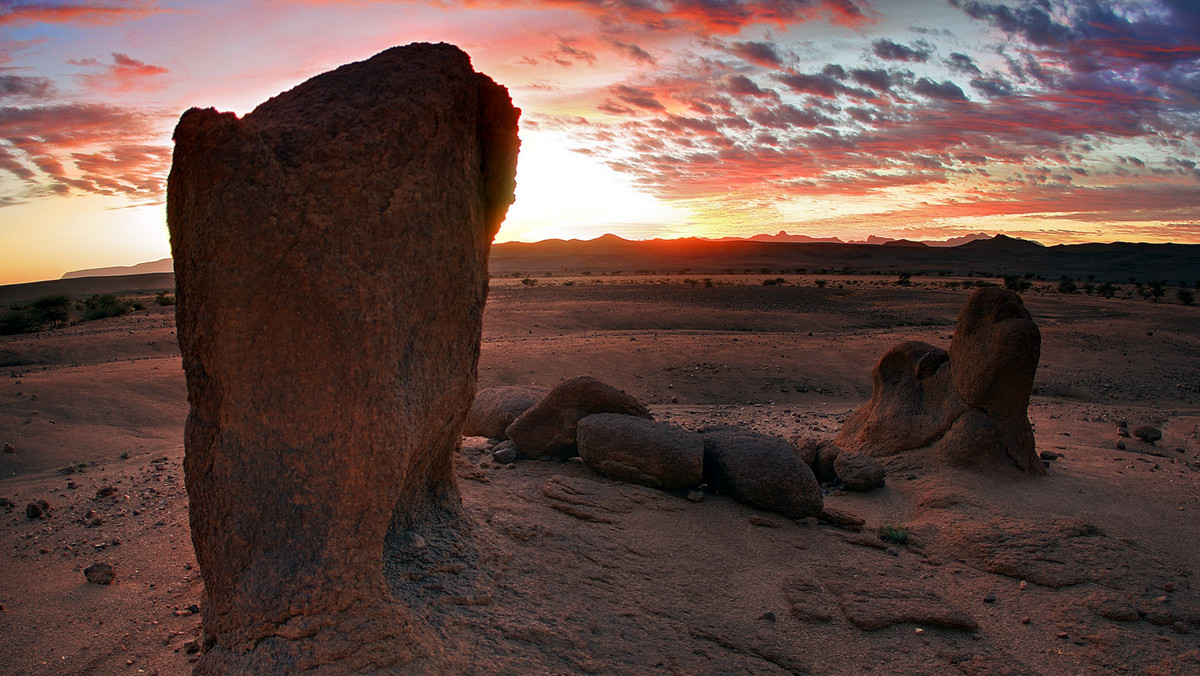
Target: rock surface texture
(331, 264)
(548, 429)
(628, 448)
(495, 408)
(760, 470)
(969, 406)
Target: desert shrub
(164, 299)
(1016, 283)
(1067, 285)
(691, 282)
(1106, 289)
(820, 283)
(1186, 297)
(529, 281)
(1157, 289)
(1089, 288)
(708, 282)
(101, 307)
(778, 281)
(53, 310)
(897, 535)
(19, 320)
(905, 279)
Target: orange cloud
(14, 14)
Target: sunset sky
(1055, 120)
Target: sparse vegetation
(1017, 283)
(820, 283)
(164, 299)
(1106, 289)
(1157, 290)
(897, 535)
(1067, 285)
(1186, 297)
(46, 312)
(529, 281)
(905, 279)
(777, 281)
(108, 305)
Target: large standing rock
(640, 451)
(548, 429)
(760, 470)
(970, 407)
(495, 408)
(331, 267)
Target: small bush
(905, 279)
(778, 281)
(820, 283)
(19, 320)
(897, 535)
(708, 282)
(1066, 285)
(529, 281)
(1016, 283)
(102, 307)
(1106, 289)
(1186, 297)
(164, 299)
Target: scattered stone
(475, 445)
(640, 451)
(1148, 434)
(408, 543)
(69, 469)
(1123, 432)
(989, 598)
(1120, 445)
(5, 502)
(767, 616)
(92, 519)
(1049, 455)
(34, 511)
(191, 647)
(495, 408)
(760, 470)
(100, 573)
(105, 492)
(9, 448)
(880, 604)
(504, 452)
(549, 427)
(842, 519)
(331, 252)
(858, 472)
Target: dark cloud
(878, 79)
(740, 85)
(894, 51)
(961, 63)
(637, 97)
(942, 91)
(787, 116)
(992, 87)
(32, 88)
(633, 52)
(760, 53)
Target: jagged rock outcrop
(969, 406)
(495, 408)
(760, 470)
(548, 429)
(640, 451)
(331, 264)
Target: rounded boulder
(761, 471)
(640, 451)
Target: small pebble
(695, 495)
(989, 598)
(100, 573)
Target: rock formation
(760, 470)
(970, 406)
(628, 448)
(548, 429)
(495, 408)
(331, 263)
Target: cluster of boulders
(616, 435)
(967, 407)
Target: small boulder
(819, 455)
(858, 472)
(1148, 434)
(504, 452)
(640, 451)
(495, 408)
(548, 429)
(34, 511)
(9, 448)
(760, 470)
(100, 573)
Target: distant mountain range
(783, 253)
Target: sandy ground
(1087, 570)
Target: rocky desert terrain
(1089, 569)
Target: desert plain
(1089, 569)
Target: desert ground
(1086, 570)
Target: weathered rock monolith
(331, 267)
(969, 406)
